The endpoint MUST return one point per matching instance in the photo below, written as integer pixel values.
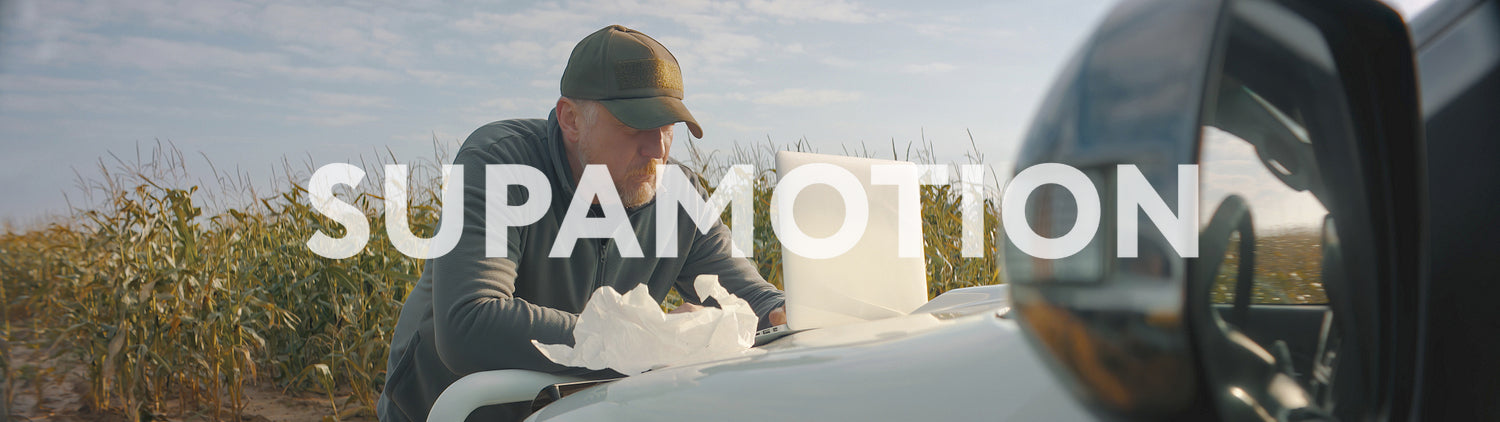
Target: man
(621, 95)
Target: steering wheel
(1326, 363)
(1246, 379)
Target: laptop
(868, 282)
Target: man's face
(630, 154)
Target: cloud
(334, 120)
(808, 98)
(832, 11)
(737, 127)
(441, 137)
(441, 78)
(721, 47)
(159, 54)
(548, 19)
(936, 30)
(698, 16)
(558, 55)
(506, 104)
(319, 31)
(837, 61)
(93, 106)
(713, 52)
(189, 15)
(717, 97)
(338, 73)
(929, 68)
(707, 36)
(332, 99)
(10, 83)
(506, 107)
(520, 53)
(267, 102)
(336, 31)
(339, 41)
(64, 103)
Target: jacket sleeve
(479, 324)
(711, 254)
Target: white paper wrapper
(631, 334)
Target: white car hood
(960, 363)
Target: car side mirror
(1137, 337)
(1132, 95)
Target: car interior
(1270, 278)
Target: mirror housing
(1132, 95)
(1122, 332)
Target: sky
(244, 84)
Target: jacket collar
(557, 155)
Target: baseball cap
(632, 75)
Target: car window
(1281, 185)
(1287, 222)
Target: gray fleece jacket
(469, 313)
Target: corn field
(173, 312)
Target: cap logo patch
(648, 73)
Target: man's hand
(777, 316)
(685, 307)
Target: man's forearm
(711, 254)
(480, 326)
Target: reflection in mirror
(1288, 222)
(1264, 320)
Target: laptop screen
(869, 280)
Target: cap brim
(652, 112)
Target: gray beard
(630, 196)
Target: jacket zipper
(599, 272)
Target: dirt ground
(47, 392)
